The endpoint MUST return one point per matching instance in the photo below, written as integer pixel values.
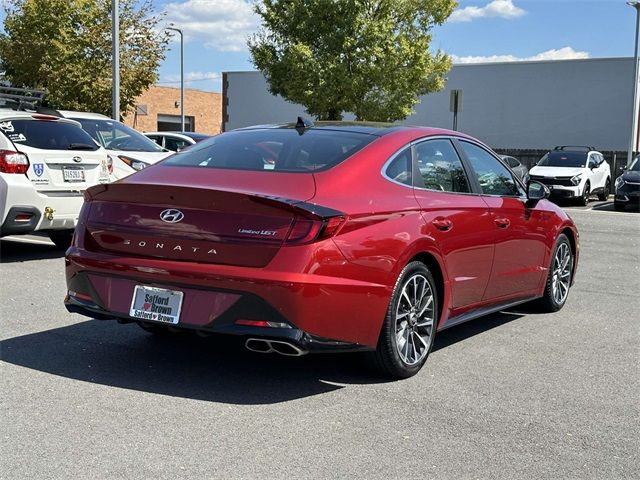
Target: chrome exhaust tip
(287, 349)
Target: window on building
(171, 123)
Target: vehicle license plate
(156, 304)
(75, 174)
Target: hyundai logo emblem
(77, 159)
(171, 215)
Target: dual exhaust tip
(261, 345)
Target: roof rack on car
(574, 147)
(20, 98)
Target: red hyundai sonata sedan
(315, 238)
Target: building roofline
(472, 64)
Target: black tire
(387, 358)
(549, 301)
(620, 207)
(586, 193)
(605, 193)
(61, 238)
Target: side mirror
(592, 164)
(536, 191)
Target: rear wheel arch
(430, 261)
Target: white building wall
(526, 105)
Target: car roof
(9, 114)
(368, 128)
(87, 115)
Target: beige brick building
(158, 109)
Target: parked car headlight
(133, 163)
(576, 179)
(619, 182)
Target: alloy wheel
(561, 278)
(414, 320)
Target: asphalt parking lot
(513, 395)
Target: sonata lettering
(161, 246)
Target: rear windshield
(563, 159)
(282, 149)
(47, 134)
(117, 136)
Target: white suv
(574, 173)
(46, 163)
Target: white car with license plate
(46, 163)
(574, 173)
(130, 150)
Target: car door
(603, 170)
(518, 230)
(455, 217)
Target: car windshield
(564, 159)
(117, 136)
(279, 149)
(635, 165)
(47, 134)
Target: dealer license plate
(156, 304)
(75, 174)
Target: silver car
(517, 167)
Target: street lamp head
(634, 3)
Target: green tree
(64, 47)
(369, 57)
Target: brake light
(109, 164)
(305, 230)
(49, 118)
(13, 162)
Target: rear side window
(440, 167)
(399, 170)
(493, 176)
(47, 134)
(279, 149)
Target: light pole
(115, 60)
(634, 122)
(181, 76)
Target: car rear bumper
(19, 197)
(324, 313)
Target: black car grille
(564, 181)
(629, 187)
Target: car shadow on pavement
(215, 369)
(23, 251)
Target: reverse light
(133, 163)
(13, 162)
(576, 179)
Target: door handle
(502, 222)
(442, 223)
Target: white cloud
(199, 80)
(566, 53)
(495, 8)
(222, 25)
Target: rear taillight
(13, 162)
(109, 164)
(305, 230)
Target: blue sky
(479, 30)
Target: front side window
(117, 136)
(493, 176)
(440, 167)
(279, 149)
